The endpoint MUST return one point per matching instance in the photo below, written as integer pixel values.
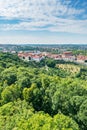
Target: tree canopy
(33, 98)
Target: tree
(9, 75)
(50, 63)
(10, 93)
(82, 115)
(63, 122)
(75, 103)
(24, 82)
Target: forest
(42, 96)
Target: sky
(43, 21)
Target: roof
(67, 52)
(81, 57)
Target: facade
(66, 56)
(81, 59)
(30, 57)
(56, 56)
(37, 58)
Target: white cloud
(35, 14)
(35, 8)
(57, 25)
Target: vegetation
(70, 68)
(34, 96)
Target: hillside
(35, 98)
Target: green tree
(82, 116)
(9, 75)
(10, 93)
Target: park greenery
(50, 95)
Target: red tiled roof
(67, 52)
(25, 54)
(81, 57)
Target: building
(37, 58)
(56, 56)
(81, 58)
(68, 56)
(30, 56)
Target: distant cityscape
(66, 56)
(38, 52)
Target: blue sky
(43, 21)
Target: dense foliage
(38, 97)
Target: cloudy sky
(43, 21)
